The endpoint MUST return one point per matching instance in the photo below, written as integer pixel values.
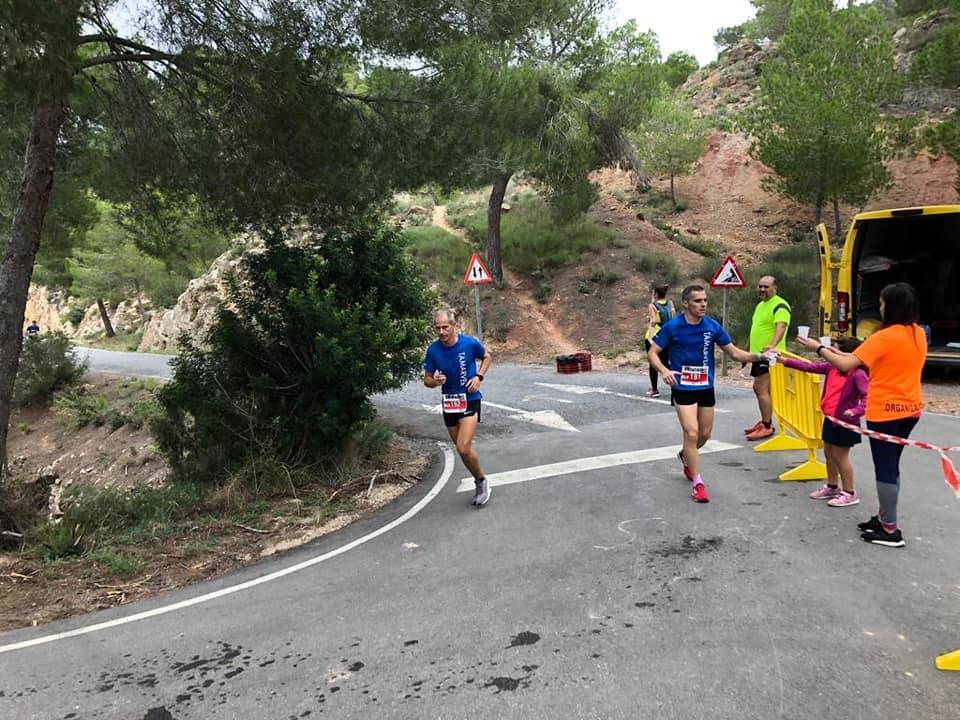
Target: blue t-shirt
(458, 362)
(691, 350)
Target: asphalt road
(126, 363)
(593, 588)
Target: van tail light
(843, 311)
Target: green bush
(310, 332)
(938, 63)
(701, 246)
(95, 510)
(59, 541)
(542, 293)
(663, 267)
(603, 276)
(118, 563)
(442, 255)
(80, 406)
(533, 241)
(47, 363)
(74, 315)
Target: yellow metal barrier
(796, 406)
(950, 661)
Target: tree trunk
(140, 311)
(673, 195)
(836, 217)
(105, 318)
(18, 258)
(494, 210)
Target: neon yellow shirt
(767, 314)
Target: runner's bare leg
(462, 436)
(690, 425)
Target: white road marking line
(547, 418)
(597, 462)
(588, 389)
(448, 464)
(530, 398)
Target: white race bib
(695, 375)
(456, 403)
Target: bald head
(767, 287)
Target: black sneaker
(482, 492)
(870, 526)
(882, 537)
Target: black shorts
(839, 436)
(703, 398)
(759, 368)
(451, 419)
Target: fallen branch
(370, 487)
(252, 529)
(114, 589)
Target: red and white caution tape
(950, 475)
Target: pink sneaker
(844, 499)
(825, 493)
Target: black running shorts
(759, 368)
(703, 398)
(452, 419)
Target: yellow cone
(950, 661)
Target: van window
(923, 250)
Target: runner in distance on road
(451, 364)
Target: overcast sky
(685, 24)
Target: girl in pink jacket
(845, 398)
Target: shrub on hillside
(310, 332)
(47, 364)
(662, 268)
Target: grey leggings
(886, 464)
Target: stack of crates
(578, 362)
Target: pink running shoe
(825, 493)
(844, 499)
(686, 468)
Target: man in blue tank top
(690, 338)
(451, 364)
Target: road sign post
(477, 274)
(728, 275)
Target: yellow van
(919, 245)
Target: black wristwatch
(480, 376)
(819, 348)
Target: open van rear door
(826, 279)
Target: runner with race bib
(689, 339)
(451, 364)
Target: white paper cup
(825, 340)
(803, 330)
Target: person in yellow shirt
(894, 356)
(659, 312)
(768, 331)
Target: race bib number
(456, 403)
(694, 375)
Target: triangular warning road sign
(477, 273)
(728, 275)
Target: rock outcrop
(196, 309)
